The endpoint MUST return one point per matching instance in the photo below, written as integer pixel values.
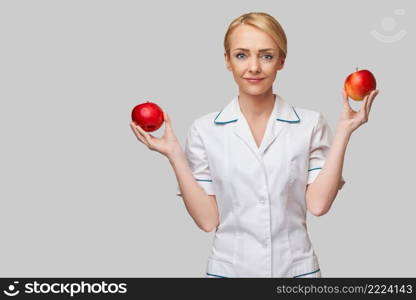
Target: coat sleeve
(321, 142)
(196, 155)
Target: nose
(254, 66)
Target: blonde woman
(253, 169)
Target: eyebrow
(261, 50)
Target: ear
(227, 61)
(281, 64)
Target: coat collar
(282, 111)
(283, 115)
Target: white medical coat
(260, 191)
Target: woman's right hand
(165, 145)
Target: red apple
(359, 84)
(148, 116)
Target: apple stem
(356, 69)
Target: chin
(255, 91)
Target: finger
(367, 104)
(165, 117)
(374, 94)
(133, 127)
(363, 108)
(145, 134)
(345, 100)
(138, 134)
(371, 102)
(371, 97)
(168, 121)
(344, 93)
(139, 129)
(142, 139)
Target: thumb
(166, 117)
(345, 99)
(167, 120)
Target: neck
(256, 106)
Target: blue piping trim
(314, 169)
(209, 180)
(223, 122)
(295, 121)
(307, 273)
(288, 121)
(216, 275)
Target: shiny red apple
(359, 84)
(148, 116)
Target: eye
(271, 57)
(268, 56)
(237, 55)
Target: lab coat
(260, 191)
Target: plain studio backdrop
(80, 196)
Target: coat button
(266, 242)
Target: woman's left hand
(351, 119)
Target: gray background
(81, 196)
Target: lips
(254, 80)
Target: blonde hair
(264, 22)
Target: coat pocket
(307, 268)
(313, 274)
(209, 275)
(219, 269)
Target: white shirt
(260, 191)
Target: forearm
(322, 192)
(196, 200)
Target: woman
(252, 170)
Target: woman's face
(248, 59)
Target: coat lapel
(283, 115)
